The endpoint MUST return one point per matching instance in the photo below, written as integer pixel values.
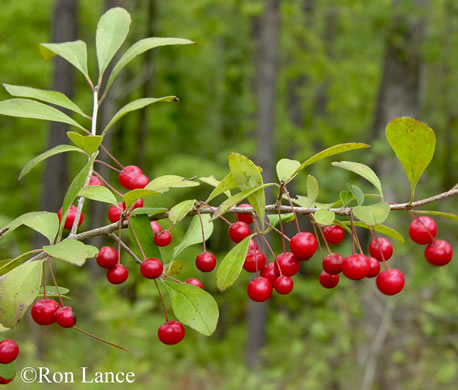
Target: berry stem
(162, 301)
(108, 165)
(374, 234)
(119, 238)
(318, 238)
(126, 248)
(55, 282)
(293, 208)
(424, 226)
(284, 236)
(44, 280)
(352, 232)
(202, 228)
(280, 193)
(136, 238)
(111, 156)
(322, 236)
(213, 209)
(175, 280)
(99, 338)
(108, 184)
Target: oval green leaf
(383, 229)
(89, 143)
(43, 222)
(99, 194)
(194, 233)
(163, 183)
(312, 188)
(361, 170)
(372, 215)
(286, 168)
(179, 211)
(71, 251)
(227, 184)
(142, 227)
(324, 217)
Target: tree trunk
(266, 63)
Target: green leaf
(301, 201)
(89, 143)
(163, 183)
(286, 168)
(374, 214)
(53, 97)
(179, 211)
(149, 210)
(312, 188)
(72, 251)
(361, 170)
(132, 196)
(229, 269)
(99, 194)
(274, 220)
(43, 156)
(72, 192)
(438, 213)
(194, 233)
(194, 307)
(8, 371)
(247, 176)
(136, 105)
(25, 108)
(51, 291)
(414, 143)
(10, 264)
(383, 229)
(227, 184)
(336, 149)
(211, 180)
(43, 222)
(142, 227)
(357, 193)
(18, 290)
(325, 217)
(345, 197)
(139, 48)
(174, 268)
(74, 52)
(111, 33)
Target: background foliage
(316, 339)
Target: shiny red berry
(254, 261)
(71, 215)
(43, 311)
(118, 274)
(356, 267)
(247, 218)
(156, 227)
(171, 332)
(286, 262)
(206, 262)
(390, 282)
(114, 213)
(328, 280)
(107, 257)
(374, 267)
(151, 268)
(8, 351)
(439, 252)
(65, 317)
(138, 182)
(384, 245)
(252, 245)
(127, 174)
(163, 238)
(423, 230)
(283, 285)
(268, 272)
(195, 282)
(303, 246)
(333, 234)
(332, 263)
(238, 231)
(95, 181)
(260, 289)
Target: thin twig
(100, 339)
(126, 248)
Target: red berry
(252, 245)
(8, 351)
(171, 332)
(114, 213)
(195, 282)
(238, 231)
(151, 268)
(65, 317)
(247, 218)
(333, 234)
(356, 267)
(328, 280)
(286, 262)
(107, 257)
(71, 214)
(439, 252)
(303, 246)
(118, 274)
(283, 285)
(384, 245)
(332, 263)
(95, 181)
(390, 282)
(374, 267)
(163, 238)
(138, 182)
(4, 381)
(268, 272)
(254, 261)
(260, 289)
(206, 262)
(419, 228)
(43, 311)
(156, 227)
(127, 174)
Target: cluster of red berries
(47, 311)
(9, 351)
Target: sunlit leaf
(361, 170)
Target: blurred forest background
(269, 79)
